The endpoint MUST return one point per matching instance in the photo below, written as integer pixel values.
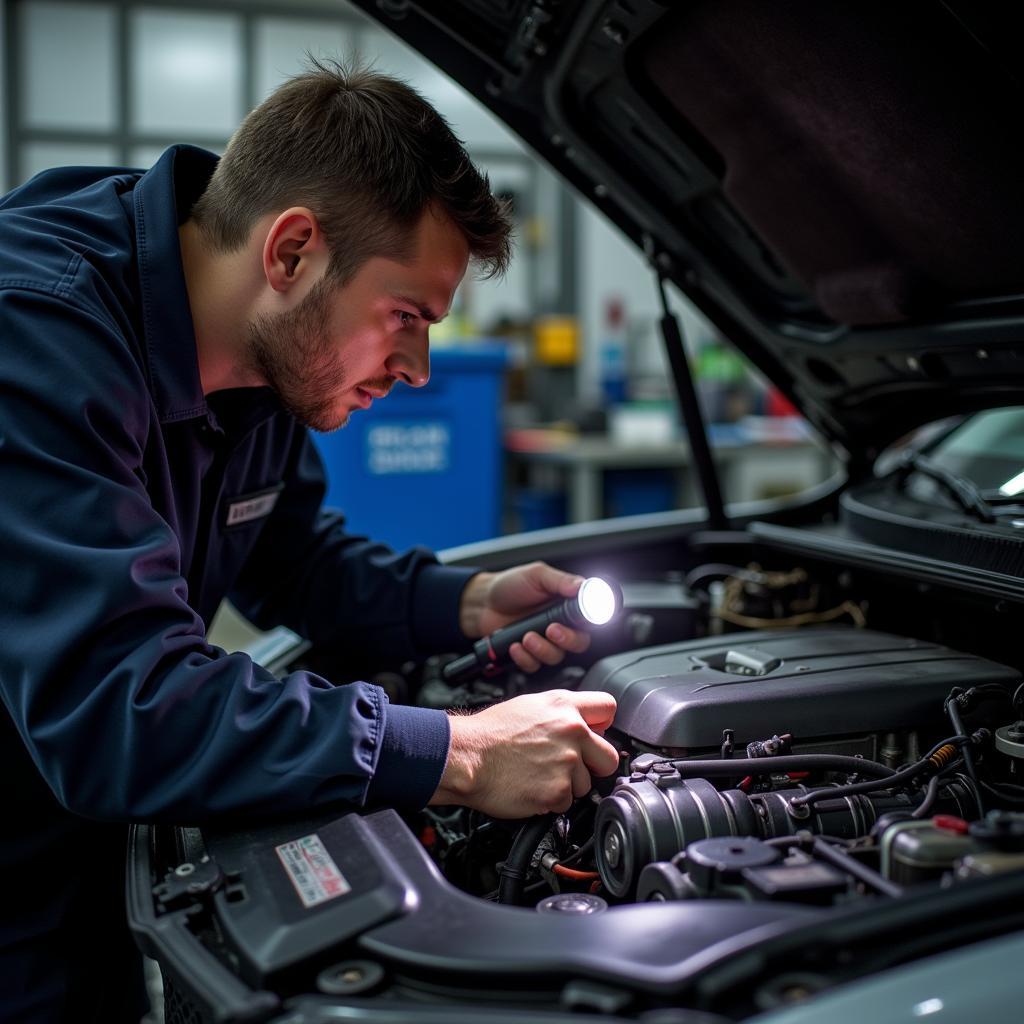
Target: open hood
(838, 187)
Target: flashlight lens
(597, 601)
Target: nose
(410, 361)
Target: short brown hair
(367, 154)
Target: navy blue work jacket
(132, 505)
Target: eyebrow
(424, 311)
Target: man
(166, 339)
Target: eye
(405, 318)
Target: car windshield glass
(988, 450)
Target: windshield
(987, 449)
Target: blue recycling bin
(423, 466)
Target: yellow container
(556, 340)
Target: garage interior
(556, 373)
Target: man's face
(341, 347)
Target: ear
(294, 250)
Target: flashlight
(596, 603)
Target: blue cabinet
(423, 466)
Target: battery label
(313, 873)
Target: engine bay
(791, 764)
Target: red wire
(579, 876)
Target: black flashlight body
(489, 655)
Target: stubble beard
(293, 353)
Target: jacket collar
(162, 199)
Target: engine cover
(815, 682)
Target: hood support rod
(689, 407)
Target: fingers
(597, 709)
(555, 581)
(536, 650)
(568, 584)
(581, 780)
(563, 792)
(531, 753)
(574, 640)
(523, 658)
(599, 755)
(542, 649)
(560, 801)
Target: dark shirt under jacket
(118, 483)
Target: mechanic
(168, 339)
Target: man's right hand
(528, 755)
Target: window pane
(37, 156)
(144, 156)
(147, 155)
(68, 66)
(282, 45)
(186, 72)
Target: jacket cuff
(438, 591)
(412, 757)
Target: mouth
(366, 395)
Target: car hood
(837, 187)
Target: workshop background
(550, 400)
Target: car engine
(807, 764)
(785, 771)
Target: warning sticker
(313, 873)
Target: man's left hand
(492, 600)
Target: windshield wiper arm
(963, 491)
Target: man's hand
(529, 755)
(492, 600)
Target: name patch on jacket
(257, 505)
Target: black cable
(958, 726)
(959, 741)
(828, 848)
(769, 765)
(584, 849)
(897, 778)
(1011, 798)
(975, 790)
(894, 778)
(929, 798)
(1009, 787)
(517, 864)
(852, 866)
(536, 887)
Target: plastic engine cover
(809, 682)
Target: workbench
(748, 469)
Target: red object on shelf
(776, 404)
